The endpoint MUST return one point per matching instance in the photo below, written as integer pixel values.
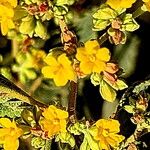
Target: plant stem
(15, 48)
(72, 101)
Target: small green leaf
(93, 144)
(27, 26)
(40, 30)
(96, 79)
(129, 23)
(105, 13)
(129, 108)
(28, 117)
(100, 24)
(107, 92)
(19, 13)
(66, 137)
(65, 2)
(121, 84)
(85, 145)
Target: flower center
(92, 58)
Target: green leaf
(19, 13)
(65, 2)
(129, 108)
(84, 145)
(93, 144)
(27, 26)
(11, 109)
(100, 24)
(28, 117)
(105, 13)
(129, 23)
(107, 92)
(96, 79)
(66, 137)
(121, 84)
(8, 91)
(40, 30)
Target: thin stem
(15, 48)
(138, 12)
(72, 101)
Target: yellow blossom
(147, 4)
(59, 69)
(117, 4)
(92, 58)
(106, 132)
(6, 15)
(9, 134)
(54, 120)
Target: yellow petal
(103, 54)
(50, 60)
(81, 54)
(111, 124)
(63, 59)
(48, 71)
(60, 80)
(4, 131)
(13, 2)
(86, 67)
(11, 143)
(91, 46)
(4, 27)
(63, 125)
(61, 114)
(114, 139)
(5, 122)
(99, 66)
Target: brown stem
(72, 101)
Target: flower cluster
(106, 132)
(6, 15)
(92, 58)
(54, 121)
(9, 134)
(60, 69)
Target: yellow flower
(54, 121)
(147, 4)
(92, 58)
(59, 69)
(106, 133)
(9, 134)
(117, 4)
(6, 15)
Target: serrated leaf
(11, 109)
(107, 92)
(8, 90)
(129, 23)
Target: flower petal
(103, 54)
